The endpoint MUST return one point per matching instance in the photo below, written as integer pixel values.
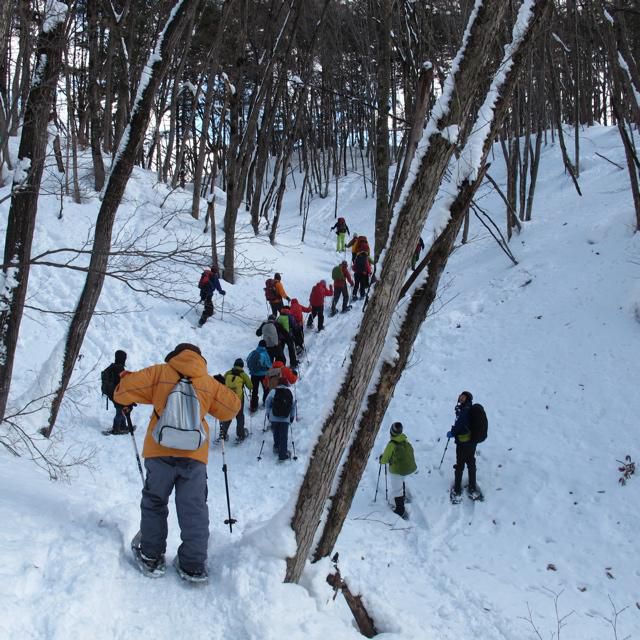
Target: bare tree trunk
(423, 296)
(94, 96)
(26, 189)
(461, 92)
(156, 66)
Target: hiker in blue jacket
(465, 447)
(281, 412)
(259, 362)
(209, 283)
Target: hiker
(342, 229)
(362, 244)
(110, 379)
(181, 466)
(296, 311)
(361, 273)
(353, 244)
(275, 293)
(465, 447)
(277, 373)
(316, 300)
(209, 282)
(416, 254)
(236, 379)
(286, 322)
(281, 412)
(271, 334)
(398, 454)
(259, 362)
(341, 276)
(289, 323)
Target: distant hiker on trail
(209, 282)
(465, 447)
(275, 293)
(342, 229)
(353, 243)
(341, 276)
(271, 334)
(416, 254)
(281, 412)
(259, 362)
(278, 373)
(398, 454)
(316, 300)
(236, 379)
(176, 451)
(110, 380)
(296, 311)
(287, 322)
(361, 273)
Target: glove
(450, 434)
(224, 293)
(219, 378)
(288, 299)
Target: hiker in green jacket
(398, 454)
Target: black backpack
(478, 423)
(110, 379)
(282, 403)
(360, 265)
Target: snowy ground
(550, 347)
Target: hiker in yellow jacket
(237, 379)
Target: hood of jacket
(401, 437)
(187, 362)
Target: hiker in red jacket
(341, 276)
(296, 312)
(316, 300)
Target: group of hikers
(182, 393)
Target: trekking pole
(293, 444)
(295, 397)
(261, 448)
(230, 521)
(135, 446)
(222, 314)
(189, 309)
(264, 424)
(378, 482)
(386, 491)
(445, 451)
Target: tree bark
(126, 155)
(24, 200)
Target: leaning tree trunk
(181, 14)
(25, 192)
(94, 96)
(425, 293)
(453, 108)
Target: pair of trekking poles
(230, 521)
(195, 304)
(293, 442)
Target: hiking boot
(200, 575)
(399, 509)
(288, 457)
(150, 567)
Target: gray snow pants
(189, 477)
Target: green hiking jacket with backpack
(398, 454)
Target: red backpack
(204, 278)
(270, 292)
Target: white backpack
(179, 426)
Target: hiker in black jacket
(465, 447)
(110, 380)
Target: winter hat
(239, 363)
(323, 282)
(294, 300)
(183, 346)
(277, 277)
(344, 263)
(262, 343)
(214, 269)
(396, 429)
(271, 317)
(468, 395)
(120, 357)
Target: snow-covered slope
(549, 347)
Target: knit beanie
(262, 343)
(183, 346)
(120, 357)
(239, 363)
(396, 429)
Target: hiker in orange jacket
(168, 467)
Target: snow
(549, 347)
(55, 13)
(625, 67)
(21, 172)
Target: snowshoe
(455, 496)
(190, 576)
(150, 567)
(476, 494)
(117, 432)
